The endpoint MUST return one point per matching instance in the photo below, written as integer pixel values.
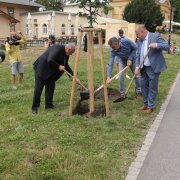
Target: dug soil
(82, 107)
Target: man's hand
(19, 32)
(78, 81)
(137, 71)
(152, 45)
(108, 80)
(61, 68)
(129, 62)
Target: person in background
(85, 42)
(12, 47)
(48, 68)
(121, 36)
(51, 41)
(152, 67)
(125, 49)
(2, 56)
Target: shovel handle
(76, 79)
(98, 89)
(130, 84)
(118, 73)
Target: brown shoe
(143, 107)
(148, 110)
(138, 95)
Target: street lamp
(169, 41)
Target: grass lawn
(51, 145)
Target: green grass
(51, 145)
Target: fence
(40, 42)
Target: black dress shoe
(50, 107)
(34, 111)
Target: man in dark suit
(153, 65)
(49, 67)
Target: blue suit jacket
(155, 56)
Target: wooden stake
(103, 73)
(90, 71)
(75, 73)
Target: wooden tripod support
(90, 66)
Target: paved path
(159, 157)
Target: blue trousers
(149, 86)
(122, 65)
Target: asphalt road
(163, 159)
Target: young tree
(56, 5)
(91, 8)
(144, 12)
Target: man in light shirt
(152, 66)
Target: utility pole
(169, 40)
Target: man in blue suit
(152, 67)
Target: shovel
(130, 84)
(85, 94)
(76, 80)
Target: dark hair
(121, 31)
(51, 37)
(113, 40)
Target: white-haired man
(49, 67)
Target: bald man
(152, 67)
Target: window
(44, 29)
(10, 11)
(27, 29)
(63, 28)
(35, 20)
(72, 29)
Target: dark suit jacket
(46, 66)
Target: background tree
(91, 8)
(56, 5)
(144, 12)
(176, 6)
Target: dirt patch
(82, 107)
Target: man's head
(114, 43)
(121, 33)
(52, 39)
(69, 49)
(141, 32)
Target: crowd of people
(144, 58)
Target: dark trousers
(49, 91)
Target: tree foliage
(91, 8)
(144, 12)
(176, 6)
(56, 5)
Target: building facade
(25, 15)
(10, 14)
